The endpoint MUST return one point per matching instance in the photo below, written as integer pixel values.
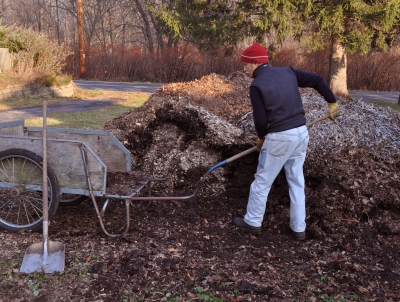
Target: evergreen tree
(225, 22)
(347, 26)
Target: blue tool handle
(230, 159)
(220, 164)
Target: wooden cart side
(65, 159)
(103, 143)
(12, 128)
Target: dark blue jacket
(276, 100)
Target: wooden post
(82, 62)
(398, 102)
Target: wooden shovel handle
(45, 186)
(317, 121)
(251, 150)
(45, 196)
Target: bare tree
(58, 23)
(3, 7)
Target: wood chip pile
(181, 130)
(185, 128)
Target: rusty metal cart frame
(79, 161)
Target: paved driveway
(61, 107)
(118, 86)
(391, 97)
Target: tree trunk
(82, 60)
(337, 69)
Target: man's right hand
(333, 110)
(260, 143)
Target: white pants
(281, 149)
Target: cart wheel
(21, 181)
(66, 199)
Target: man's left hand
(260, 143)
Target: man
(282, 135)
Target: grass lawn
(91, 119)
(384, 104)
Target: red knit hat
(255, 53)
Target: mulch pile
(352, 177)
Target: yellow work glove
(260, 143)
(333, 110)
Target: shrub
(57, 80)
(186, 62)
(14, 43)
(35, 56)
(179, 63)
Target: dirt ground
(190, 251)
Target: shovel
(47, 256)
(251, 150)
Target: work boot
(240, 223)
(300, 236)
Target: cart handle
(96, 207)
